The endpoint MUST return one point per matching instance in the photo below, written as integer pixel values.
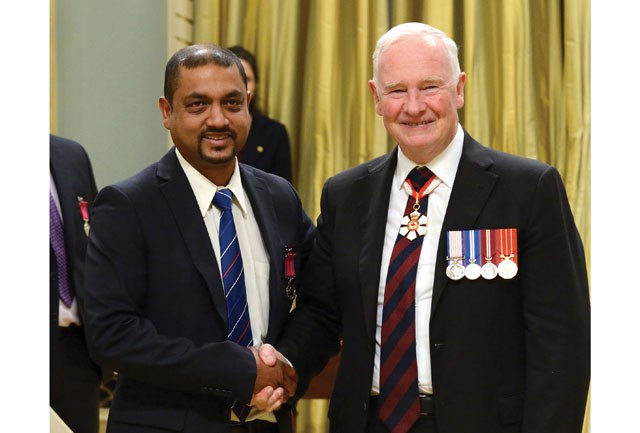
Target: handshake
(276, 379)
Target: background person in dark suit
(74, 377)
(267, 146)
(493, 353)
(156, 308)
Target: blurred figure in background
(74, 387)
(267, 147)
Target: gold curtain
(527, 92)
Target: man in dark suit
(480, 272)
(157, 269)
(74, 378)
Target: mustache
(225, 130)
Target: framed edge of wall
(179, 31)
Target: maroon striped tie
(399, 406)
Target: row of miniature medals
(488, 253)
(470, 253)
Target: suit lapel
(372, 200)
(175, 187)
(471, 189)
(267, 220)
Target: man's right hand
(276, 379)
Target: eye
(430, 89)
(197, 106)
(398, 92)
(233, 104)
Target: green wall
(111, 57)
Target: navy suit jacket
(507, 355)
(74, 378)
(267, 147)
(155, 307)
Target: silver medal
(489, 271)
(455, 271)
(472, 271)
(507, 269)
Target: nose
(217, 117)
(415, 103)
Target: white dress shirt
(255, 259)
(444, 166)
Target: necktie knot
(222, 199)
(419, 177)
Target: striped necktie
(399, 406)
(239, 329)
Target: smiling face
(208, 118)
(418, 95)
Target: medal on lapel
(472, 243)
(489, 270)
(290, 272)
(84, 212)
(508, 253)
(455, 269)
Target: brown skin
(209, 119)
(209, 123)
(274, 372)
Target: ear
(249, 97)
(460, 90)
(376, 97)
(165, 110)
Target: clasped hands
(276, 379)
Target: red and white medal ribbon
(415, 224)
(455, 269)
(508, 253)
(489, 269)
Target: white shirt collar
(204, 189)
(444, 166)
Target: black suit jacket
(74, 378)
(155, 305)
(267, 147)
(507, 355)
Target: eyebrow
(426, 80)
(195, 96)
(234, 93)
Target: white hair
(402, 31)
